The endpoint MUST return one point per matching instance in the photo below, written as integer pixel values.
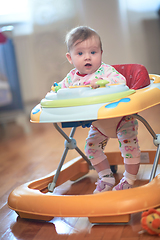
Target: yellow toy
(151, 221)
(36, 199)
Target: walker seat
(81, 106)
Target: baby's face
(86, 56)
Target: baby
(85, 53)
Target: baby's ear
(68, 56)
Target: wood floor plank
(27, 157)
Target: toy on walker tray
(36, 199)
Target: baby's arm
(114, 76)
(65, 83)
(109, 73)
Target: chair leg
(52, 185)
(70, 143)
(155, 164)
(156, 140)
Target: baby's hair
(80, 33)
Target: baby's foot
(104, 184)
(123, 184)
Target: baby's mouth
(88, 65)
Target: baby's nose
(87, 56)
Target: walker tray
(84, 103)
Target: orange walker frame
(36, 200)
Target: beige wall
(128, 37)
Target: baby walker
(36, 199)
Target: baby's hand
(96, 83)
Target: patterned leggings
(127, 131)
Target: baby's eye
(80, 53)
(93, 52)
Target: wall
(105, 17)
(127, 36)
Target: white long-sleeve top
(105, 72)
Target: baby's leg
(128, 144)
(95, 144)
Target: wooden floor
(28, 157)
